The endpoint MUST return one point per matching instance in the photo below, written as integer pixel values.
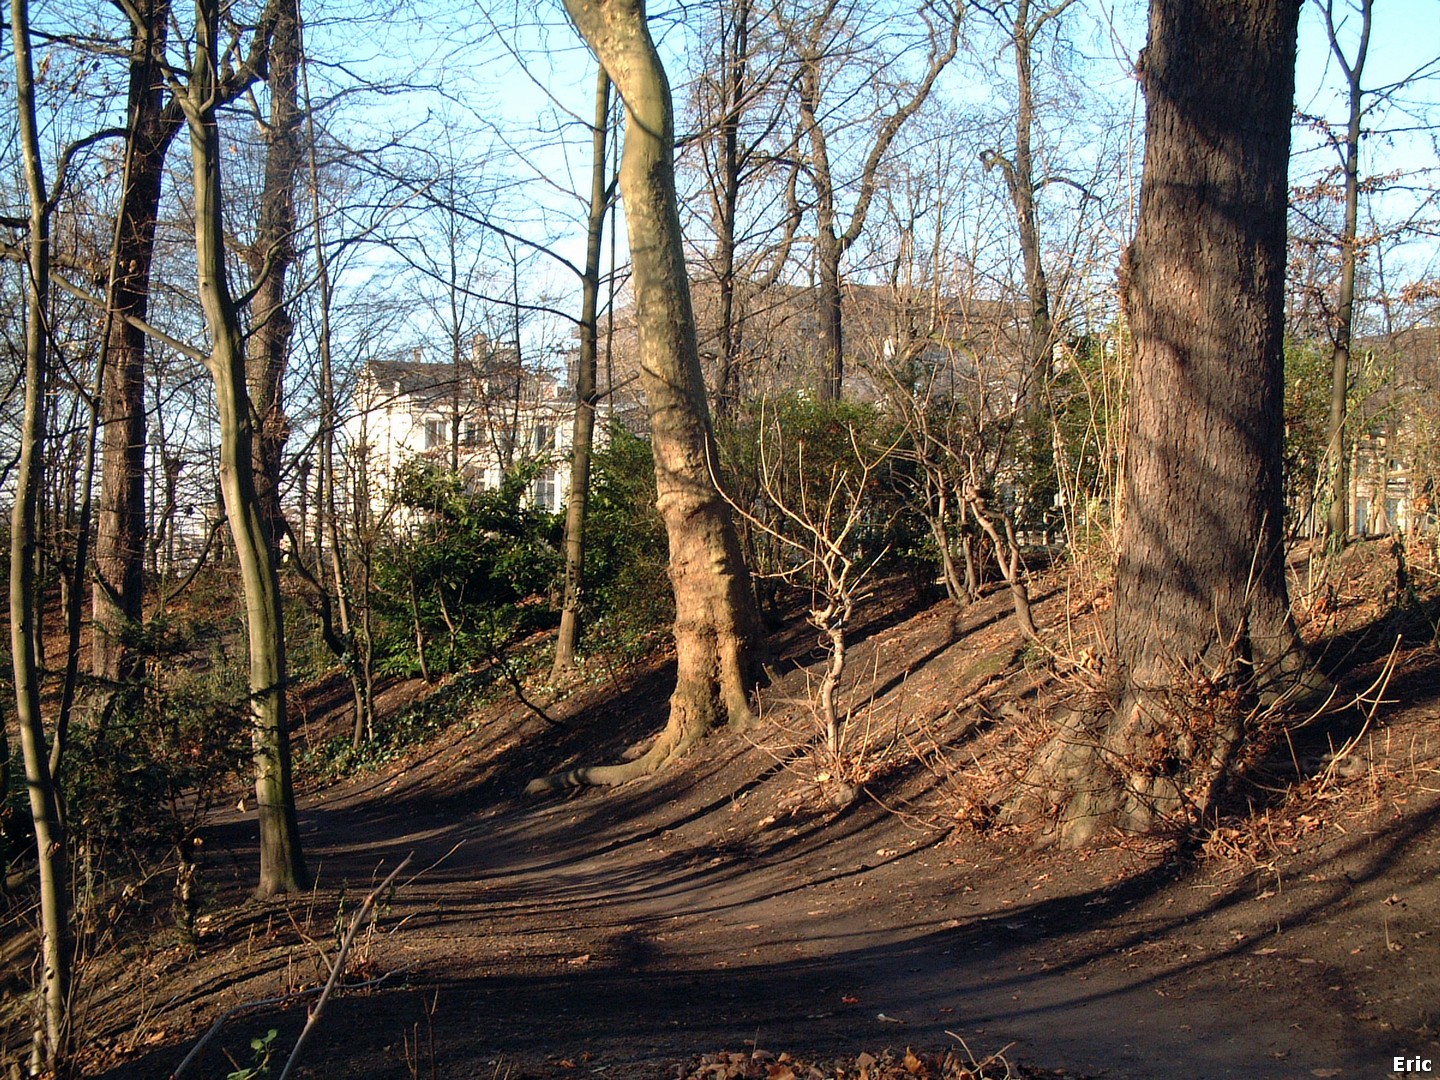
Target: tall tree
(270, 257)
(1202, 626)
(586, 397)
(739, 104)
(282, 867)
(715, 619)
(1337, 516)
(51, 1032)
(152, 121)
(1023, 22)
(822, 38)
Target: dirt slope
(741, 903)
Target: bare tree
(822, 39)
(51, 1030)
(153, 119)
(1023, 22)
(270, 257)
(586, 397)
(282, 867)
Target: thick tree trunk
(119, 592)
(583, 440)
(270, 260)
(1202, 626)
(282, 868)
(51, 1029)
(715, 619)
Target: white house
(482, 417)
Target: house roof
(430, 383)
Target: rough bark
(1202, 631)
(51, 1028)
(586, 398)
(282, 868)
(119, 593)
(715, 618)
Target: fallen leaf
(583, 958)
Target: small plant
(263, 1047)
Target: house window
(470, 433)
(544, 438)
(545, 491)
(434, 433)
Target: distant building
(481, 417)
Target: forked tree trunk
(583, 441)
(1202, 626)
(715, 619)
(282, 868)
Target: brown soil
(750, 901)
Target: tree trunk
(270, 260)
(1337, 516)
(327, 539)
(734, 89)
(119, 592)
(715, 619)
(282, 868)
(1202, 630)
(51, 1034)
(1019, 176)
(586, 399)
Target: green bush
(474, 571)
(627, 596)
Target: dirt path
(642, 931)
(622, 933)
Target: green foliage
(1307, 414)
(336, 757)
(474, 572)
(628, 600)
(263, 1048)
(145, 773)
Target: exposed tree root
(1137, 769)
(717, 682)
